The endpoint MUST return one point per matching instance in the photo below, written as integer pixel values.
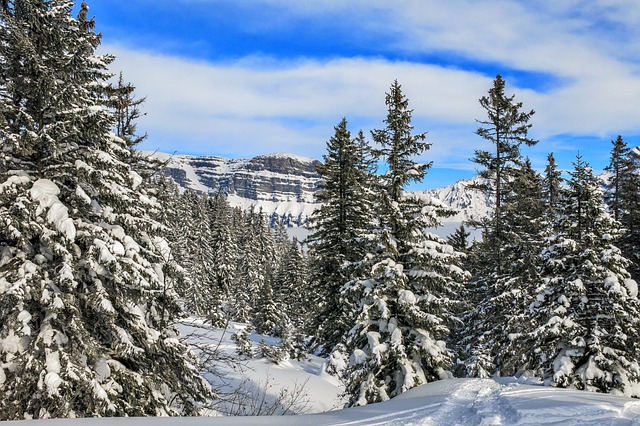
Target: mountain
(470, 203)
(283, 186)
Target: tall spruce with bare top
(506, 128)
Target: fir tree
(406, 296)
(224, 248)
(501, 322)
(619, 153)
(623, 199)
(552, 184)
(587, 307)
(459, 239)
(339, 229)
(126, 110)
(629, 197)
(86, 324)
(506, 128)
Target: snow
(632, 287)
(298, 158)
(446, 402)
(45, 192)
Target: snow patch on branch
(45, 192)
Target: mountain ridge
(283, 185)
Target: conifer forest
(102, 255)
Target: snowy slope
(448, 402)
(470, 203)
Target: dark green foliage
(406, 295)
(340, 229)
(619, 154)
(499, 326)
(459, 239)
(552, 185)
(623, 199)
(587, 306)
(86, 314)
(506, 128)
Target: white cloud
(296, 103)
(264, 104)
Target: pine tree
(630, 215)
(552, 184)
(339, 231)
(86, 324)
(127, 111)
(587, 308)
(224, 249)
(619, 153)
(506, 128)
(201, 294)
(407, 295)
(623, 199)
(492, 260)
(499, 326)
(459, 239)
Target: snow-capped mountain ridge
(283, 185)
(461, 196)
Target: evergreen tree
(86, 325)
(510, 180)
(623, 199)
(126, 110)
(587, 307)
(459, 239)
(338, 230)
(506, 128)
(201, 294)
(501, 322)
(407, 293)
(224, 249)
(619, 154)
(552, 184)
(629, 197)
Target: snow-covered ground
(448, 402)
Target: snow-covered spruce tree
(200, 293)
(338, 232)
(224, 250)
(630, 216)
(506, 128)
(81, 297)
(407, 300)
(623, 199)
(587, 306)
(498, 327)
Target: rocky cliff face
(282, 185)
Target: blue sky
(243, 78)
